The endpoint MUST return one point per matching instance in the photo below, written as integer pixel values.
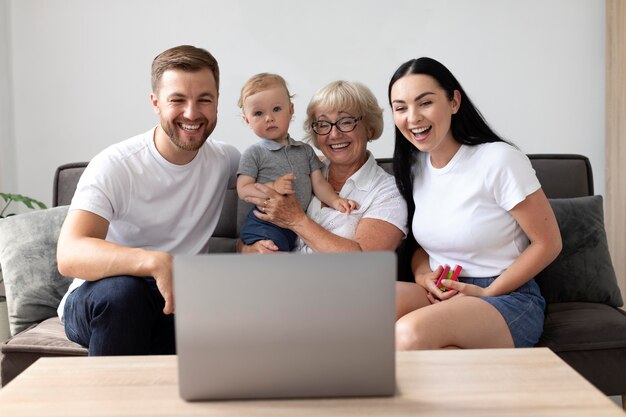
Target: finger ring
(265, 203)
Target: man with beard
(138, 203)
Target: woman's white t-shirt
(462, 210)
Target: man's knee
(122, 297)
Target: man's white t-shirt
(462, 210)
(153, 204)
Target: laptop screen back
(285, 326)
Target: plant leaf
(27, 201)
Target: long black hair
(468, 127)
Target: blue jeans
(119, 315)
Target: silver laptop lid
(285, 326)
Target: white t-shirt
(462, 210)
(153, 204)
(375, 192)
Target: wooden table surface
(490, 382)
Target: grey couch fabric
(582, 324)
(583, 271)
(33, 284)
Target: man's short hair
(185, 58)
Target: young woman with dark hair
(474, 201)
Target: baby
(278, 161)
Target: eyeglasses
(345, 125)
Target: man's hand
(160, 265)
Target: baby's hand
(344, 205)
(284, 184)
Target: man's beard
(198, 139)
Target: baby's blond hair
(261, 82)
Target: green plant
(27, 201)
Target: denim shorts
(254, 229)
(523, 310)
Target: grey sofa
(583, 325)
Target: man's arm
(83, 252)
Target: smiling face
(423, 113)
(346, 149)
(268, 113)
(186, 103)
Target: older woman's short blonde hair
(350, 97)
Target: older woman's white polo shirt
(377, 195)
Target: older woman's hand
(282, 210)
(260, 246)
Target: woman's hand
(282, 210)
(428, 281)
(260, 246)
(455, 289)
(466, 289)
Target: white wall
(7, 150)
(81, 69)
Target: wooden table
(499, 382)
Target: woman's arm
(419, 263)
(536, 218)
(284, 211)
(370, 235)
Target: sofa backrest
(560, 175)
(563, 175)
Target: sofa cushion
(33, 284)
(591, 338)
(583, 270)
(584, 326)
(46, 339)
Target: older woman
(342, 118)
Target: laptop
(285, 325)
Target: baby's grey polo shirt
(268, 160)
